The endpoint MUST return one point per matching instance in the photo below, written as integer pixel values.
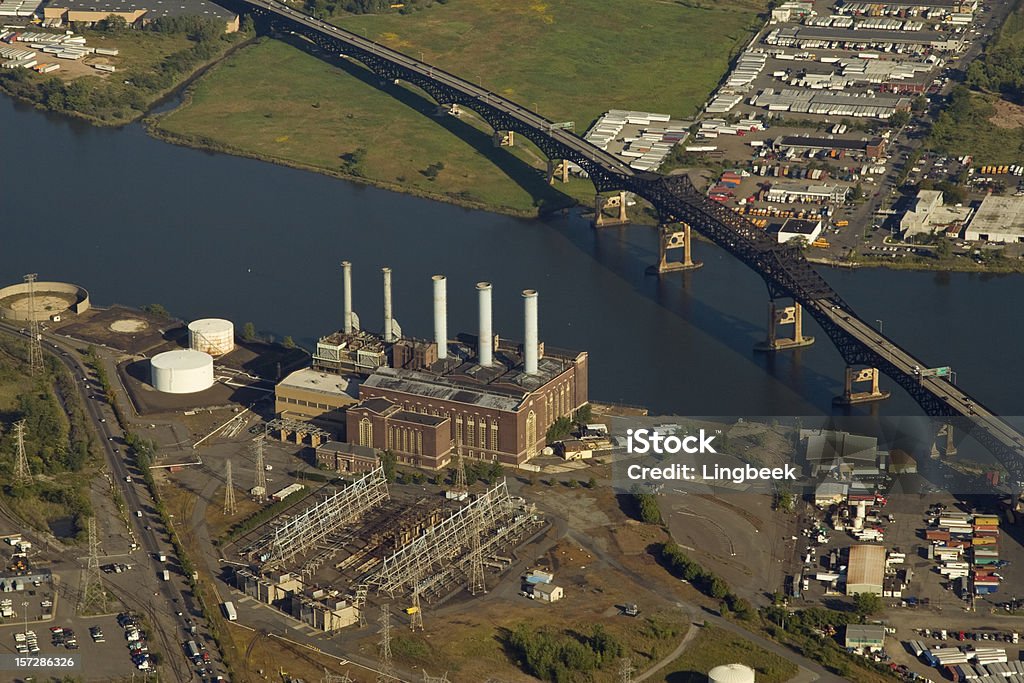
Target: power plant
(478, 395)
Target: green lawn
(714, 646)
(565, 58)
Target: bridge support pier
(672, 239)
(601, 203)
(559, 167)
(504, 138)
(784, 315)
(854, 376)
(945, 432)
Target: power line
(22, 474)
(35, 347)
(476, 583)
(229, 489)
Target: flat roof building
(414, 438)
(998, 219)
(805, 229)
(348, 458)
(872, 148)
(929, 215)
(317, 397)
(840, 453)
(134, 12)
(865, 637)
(865, 570)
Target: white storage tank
(181, 372)
(731, 673)
(214, 336)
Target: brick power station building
(426, 401)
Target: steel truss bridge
(784, 269)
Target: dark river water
(138, 221)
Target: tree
(866, 604)
(388, 461)
(899, 119)
(249, 332)
(114, 24)
(288, 342)
(584, 414)
(559, 429)
(156, 309)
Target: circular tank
(181, 372)
(214, 336)
(731, 673)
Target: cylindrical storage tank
(731, 673)
(214, 336)
(181, 372)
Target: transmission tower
(261, 472)
(427, 678)
(93, 597)
(22, 474)
(386, 672)
(35, 348)
(477, 583)
(229, 489)
(460, 486)
(626, 671)
(359, 602)
(335, 678)
(416, 614)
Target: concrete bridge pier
(854, 376)
(784, 315)
(559, 168)
(504, 138)
(673, 239)
(616, 201)
(944, 434)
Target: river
(139, 221)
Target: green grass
(566, 58)
(973, 132)
(715, 646)
(138, 49)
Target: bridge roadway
(784, 268)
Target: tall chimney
(389, 330)
(530, 341)
(346, 280)
(441, 316)
(485, 342)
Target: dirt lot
(1008, 115)
(126, 329)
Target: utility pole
(229, 489)
(35, 348)
(261, 472)
(22, 474)
(386, 672)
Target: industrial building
(481, 395)
(792, 193)
(806, 229)
(928, 214)
(859, 39)
(865, 569)
(841, 454)
(135, 12)
(998, 219)
(864, 637)
(854, 105)
(348, 458)
(317, 397)
(872, 148)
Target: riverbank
(959, 265)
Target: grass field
(564, 58)
(714, 646)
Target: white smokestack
(441, 316)
(346, 280)
(485, 343)
(530, 341)
(389, 330)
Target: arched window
(531, 434)
(365, 432)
